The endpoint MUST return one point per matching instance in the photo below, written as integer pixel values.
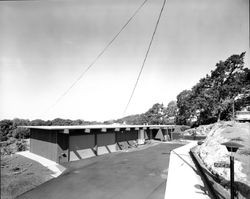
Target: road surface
(136, 174)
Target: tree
(61, 122)
(155, 115)
(21, 133)
(171, 109)
(77, 122)
(212, 97)
(39, 122)
(6, 128)
(226, 81)
(170, 113)
(184, 104)
(20, 122)
(202, 98)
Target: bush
(3, 137)
(6, 150)
(21, 133)
(10, 141)
(21, 145)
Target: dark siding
(78, 142)
(43, 143)
(123, 135)
(104, 139)
(81, 145)
(149, 134)
(132, 135)
(63, 147)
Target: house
(70, 143)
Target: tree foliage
(157, 114)
(171, 109)
(212, 97)
(6, 129)
(12, 129)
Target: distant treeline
(158, 114)
(9, 128)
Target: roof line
(97, 127)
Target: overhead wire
(97, 57)
(145, 58)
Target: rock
(214, 154)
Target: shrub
(6, 150)
(3, 137)
(21, 145)
(21, 133)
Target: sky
(45, 45)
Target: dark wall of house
(81, 145)
(44, 143)
(78, 144)
(62, 147)
(124, 135)
(104, 139)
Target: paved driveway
(136, 174)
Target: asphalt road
(136, 174)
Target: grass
(20, 174)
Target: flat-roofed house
(69, 143)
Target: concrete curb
(56, 168)
(183, 179)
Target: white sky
(44, 45)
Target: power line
(97, 57)
(145, 58)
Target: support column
(141, 138)
(96, 144)
(165, 134)
(169, 134)
(150, 134)
(172, 136)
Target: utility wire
(145, 58)
(97, 57)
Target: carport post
(172, 133)
(165, 134)
(141, 138)
(96, 145)
(169, 130)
